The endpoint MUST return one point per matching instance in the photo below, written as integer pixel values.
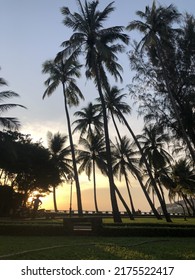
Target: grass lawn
(94, 248)
(98, 247)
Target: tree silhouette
(63, 72)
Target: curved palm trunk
(162, 203)
(153, 208)
(94, 184)
(124, 203)
(161, 189)
(153, 198)
(76, 177)
(193, 205)
(138, 177)
(186, 205)
(115, 209)
(126, 179)
(54, 199)
(116, 127)
(129, 193)
(189, 203)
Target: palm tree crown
(114, 100)
(125, 162)
(153, 142)
(63, 72)
(59, 153)
(96, 42)
(89, 121)
(60, 159)
(91, 156)
(156, 25)
(8, 122)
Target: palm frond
(10, 123)
(8, 94)
(6, 107)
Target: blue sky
(31, 32)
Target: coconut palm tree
(89, 121)
(121, 166)
(8, 122)
(154, 147)
(100, 46)
(153, 142)
(60, 156)
(179, 179)
(63, 72)
(149, 171)
(157, 27)
(91, 156)
(114, 100)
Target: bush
(148, 231)
(118, 231)
(31, 230)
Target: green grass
(96, 248)
(152, 220)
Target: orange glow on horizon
(103, 196)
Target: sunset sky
(31, 32)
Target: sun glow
(103, 196)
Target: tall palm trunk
(94, 185)
(126, 179)
(162, 203)
(54, 199)
(115, 209)
(124, 203)
(76, 177)
(129, 193)
(138, 177)
(153, 197)
(189, 203)
(161, 189)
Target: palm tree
(122, 167)
(180, 179)
(117, 107)
(100, 47)
(60, 158)
(8, 122)
(93, 155)
(157, 29)
(64, 72)
(114, 99)
(89, 121)
(153, 141)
